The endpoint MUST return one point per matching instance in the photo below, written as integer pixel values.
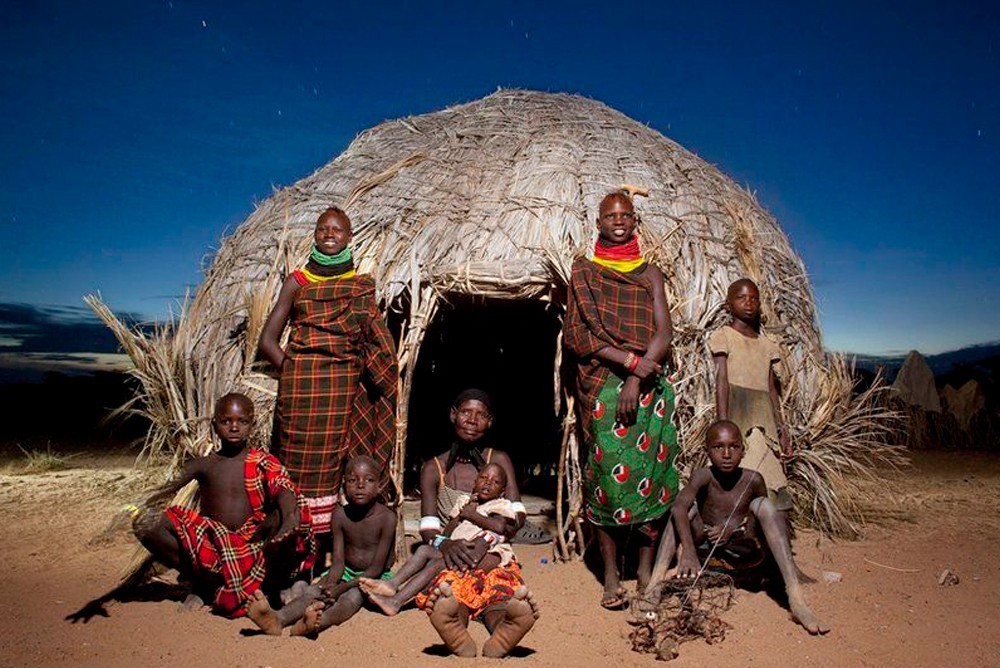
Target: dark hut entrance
(507, 348)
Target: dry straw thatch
(495, 198)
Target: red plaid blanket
(213, 548)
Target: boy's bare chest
(223, 491)
(721, 504)
(361, 541)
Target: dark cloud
(28, 328)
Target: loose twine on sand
(687, 610)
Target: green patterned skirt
(630, 476)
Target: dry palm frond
(161, 365)
(847, 442)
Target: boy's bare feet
(263, 615)
(191, 603)
(649, 598)
(295, 591)
(385, 604)
(377, 587)
(446, 621)
(519, 617)
(309, 623)
(803, 615)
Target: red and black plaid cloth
(214, 548)
(337, 394)
(606, 308)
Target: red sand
(889, 610)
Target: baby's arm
(721, 386)
(688, 566)
(494, 522)
(451, 525)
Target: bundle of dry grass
(495, 198)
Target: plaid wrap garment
(606, 308)
(629, 476)
(337, 393)
(214, 548)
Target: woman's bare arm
(269, 344)
(659, 345)
(428, 496)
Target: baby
(483, 516)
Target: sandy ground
(888, 610)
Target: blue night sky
(135, 134)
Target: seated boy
(485, 515)
(363, 533)
(720, 529)
(230, 545)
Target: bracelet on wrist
(631, 362)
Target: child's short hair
(356, 460)
(238, 397)
(502, 470)
(719, 424)
(738, 283)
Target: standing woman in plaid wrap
(618, 327)
(337, 389)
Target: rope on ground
(681, 612)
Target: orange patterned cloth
(478, 590)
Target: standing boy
(746, 387)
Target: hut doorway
(507, 348)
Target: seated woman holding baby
(471, 587)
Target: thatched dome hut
(492, 200)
